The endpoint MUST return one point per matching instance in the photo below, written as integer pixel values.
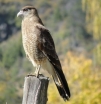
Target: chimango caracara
(40, 49)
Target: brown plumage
(40, 49)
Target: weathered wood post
(35, 90)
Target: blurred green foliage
(11, 51)
(93, 19)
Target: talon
(28, 74)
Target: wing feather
(46, 45)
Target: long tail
(62, 84)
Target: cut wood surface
(35, 90)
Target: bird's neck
(34, 19)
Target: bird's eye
(25, 9)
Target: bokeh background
(75, 26)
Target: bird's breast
(30, 44)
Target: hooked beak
(20, 13)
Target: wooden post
(35, 90)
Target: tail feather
(61, 83)
(63, 88)
(61, 91)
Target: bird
(40, 49)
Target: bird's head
(27, 11)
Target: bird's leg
(37, 71)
